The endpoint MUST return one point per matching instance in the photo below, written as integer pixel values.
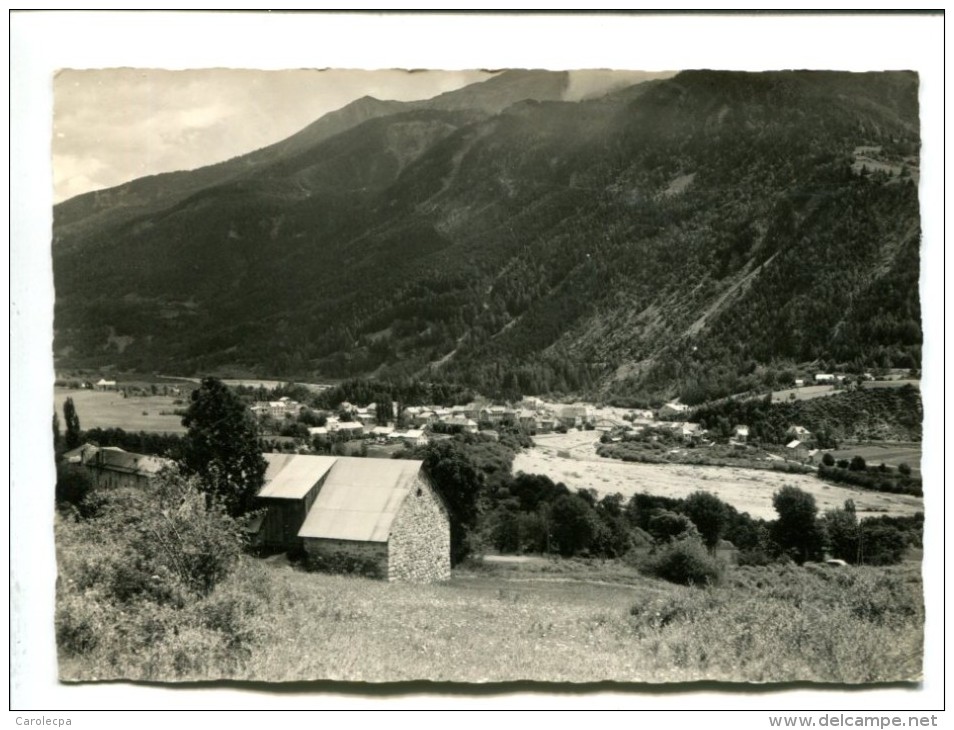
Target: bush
(79, 623)
(72, 486)
(686, 562)
(342, 563)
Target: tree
(573, 524)
(904, 469)
(828, 459)
(710, 516)
(880, 544)
(841, 527)
(222, 446)
(456, 478)
(383, 411)
(796, 530)
(56, 433)
(73, 434)
(857, 464)
(666, 526)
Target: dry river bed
(748, 490)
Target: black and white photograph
(522, 373)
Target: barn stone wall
(419, 544)
(348, 556)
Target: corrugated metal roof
(115, 459)
(275, 463)
(293, 478)
(360, 499)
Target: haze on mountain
(538, 232)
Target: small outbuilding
(110, 467)
(379, 517)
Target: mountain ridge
(545, 245)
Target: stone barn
(378, 517)
(291, 485)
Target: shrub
(79, 623)
(343, 563)
(72, 486)
(686, 562)
(666, 525)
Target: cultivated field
(748, 490)
(108, 409)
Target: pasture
(886, 453)
(571, 458)
(108, 409)
(808, 392)
(570, 621)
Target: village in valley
(306, 445)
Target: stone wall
(348, 556)
(419, 544)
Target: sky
(114, 125)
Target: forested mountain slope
(677, 236)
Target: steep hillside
(682, 235)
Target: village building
(350, 428)
(380, 516)
(366, 418)
(467, 425)
(103, 384)
(382, 432)
(414, 437)
(573, 416)
(526, 419)
(670, 410)
(606, 423)
(799, 383)
(688, 432)
(276, 409)
(77, 457)
(741, 433)
(824, 378)
(423, 418)
(110, 467)
(799, 432)
(796, 449)
(545, 424)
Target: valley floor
(571, 458)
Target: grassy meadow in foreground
(566, 620)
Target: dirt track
(748, 490)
